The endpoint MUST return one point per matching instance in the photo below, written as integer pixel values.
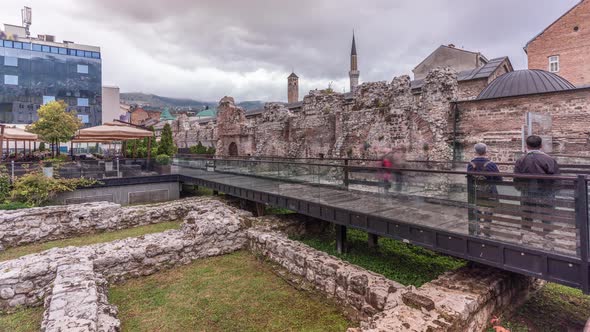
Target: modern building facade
(111, 104)
(35, 71)
(563, 47)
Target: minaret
(354, 72)
(292, 88)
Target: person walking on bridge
(536, 194)
(484, 186)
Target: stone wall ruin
(72, 282)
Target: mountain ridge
(153, 100)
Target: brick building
(564, 46)
(139, 116)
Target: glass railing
(537, 212)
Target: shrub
(211, 150)
(35, 189)
(163, 159)
(198, 149)
(4, 183)
(42, 147)
(166, 145)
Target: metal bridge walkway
(446, 228)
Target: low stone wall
(362, 292)
(78, 301)
(20, 227)
(212, 228)
(462, 300)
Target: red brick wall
(572, 47)
(498, 123)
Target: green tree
(55, 125)
(42, 147)
(166, 145)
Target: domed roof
(525, 82)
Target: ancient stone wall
(78, 301)
(188, 132)
(498, 123)
(25, 226)
(462, 300)
(378, 116)
(212, 228)
(362, 292)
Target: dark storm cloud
(205, 49)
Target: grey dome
(525, 82)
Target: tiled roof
(484, 71)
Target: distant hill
(155, 101)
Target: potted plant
(163, 162)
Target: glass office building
(34, 71)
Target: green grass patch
(14, 206)
(17, 252)
(233, 292)
(269, 210)
(24, 320)
(404, 263)
(553, 308)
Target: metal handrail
(429, 171)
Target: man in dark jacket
(537, 194)
(484, 186)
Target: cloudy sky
(205, 49)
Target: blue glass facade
(31, 74)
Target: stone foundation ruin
(72, 282)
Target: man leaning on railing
(537, 194)
(485, 186)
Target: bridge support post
(373, 241)
(581, 208)
(260, 209)
(340, 238)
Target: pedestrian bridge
(533, 225)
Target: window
(45, 48)
(96, 55)
(88, 54)
(63, 51)
(18, 45)
(79, 53)
(37, 47)
(554, 63)
(54, 50)
(26, 46)
(11, 79)
(11, 61)
(82, 69)
(82, 101)
(84, 118)
(8, 43)
(48, 99)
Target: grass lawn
(554, 308)
(233, 292)
(25, 320)
(404, 263)
(16, 252)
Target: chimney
(452, 45)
